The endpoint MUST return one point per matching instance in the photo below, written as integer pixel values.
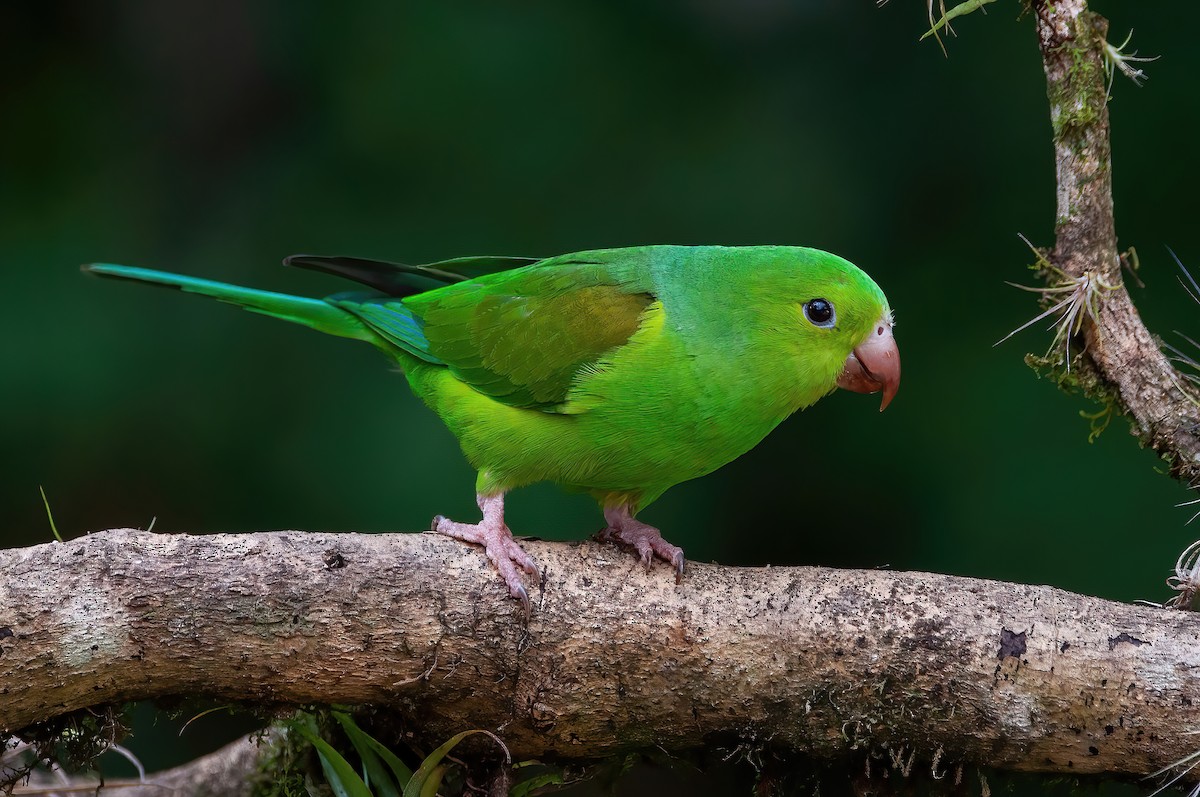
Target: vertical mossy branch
(1072, 42)
(1122, 359)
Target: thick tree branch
(613, 659)
(228, 772)
(1125, 356)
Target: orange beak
(874, 364)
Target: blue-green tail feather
(316, 313)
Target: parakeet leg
(497, 542)
(624, 528)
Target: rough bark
(613, 659)
(1127, 362)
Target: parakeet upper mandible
(619, 372)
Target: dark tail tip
(301, 261)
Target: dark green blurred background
(214, 138)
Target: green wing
(522, 336)
(521, 330)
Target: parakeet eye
(820, 313)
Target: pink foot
(497, 540)
(642, 537)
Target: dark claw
(437, 519)
(521, 594)
(678, 561)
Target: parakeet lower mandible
(618, 372)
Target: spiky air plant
(1178, 355)
(1186, 581)
(1188, 762)
(1187, 361)
(943, 22)
(1115, 60)
(1074, 299)
(1192, 502)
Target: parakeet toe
(643, 538)
(505, 553)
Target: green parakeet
(618, 372)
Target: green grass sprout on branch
(383, 774)
(49, 514)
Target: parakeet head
(844, 313)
